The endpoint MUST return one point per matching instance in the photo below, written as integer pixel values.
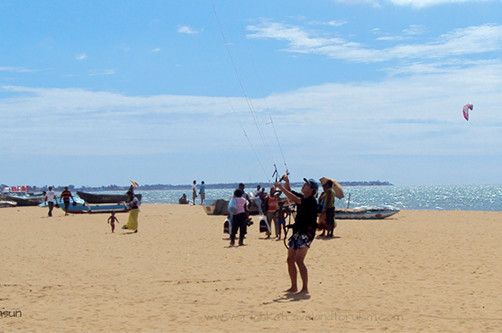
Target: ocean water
(435, 197)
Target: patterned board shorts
(297, 241)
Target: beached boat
(24, 199)
(365, 213)
(104, 198)
(97, 209)
(220, 207)
(60, 203)
(5, 204)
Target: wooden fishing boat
(60, 203)
(97, 209)
(104, 198)
(220, 207)
(5, 204)
(365, 213)
(24, 199)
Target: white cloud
(81, 56)
(428, 3)
(331, 23)
(336, 23)
(155, 50)
(406, 114)
(390, 38)
(373, 3)
(410, 32)
(8, 69)
(466, 41)
(406, 34)
(187, 30)
(101, 72)
(415, 68)
(418, 4)
(414, 30)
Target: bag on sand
(264, 227)
(232, 206)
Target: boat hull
(60, 203)
(364, 214)
(220, 207)
(24, 200)
(6, 204)
(93, 198)
(98, 209)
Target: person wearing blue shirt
(202, 192)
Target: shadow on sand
(128, 232)
(289, 297)
(324, 238)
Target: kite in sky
(466, 109)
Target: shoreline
(160, 204)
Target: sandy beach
(425, 271)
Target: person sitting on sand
(304, 229)
(111, 221)
(183, 200)
(239, 217)
(133, 204)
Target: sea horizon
(412, 197)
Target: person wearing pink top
(240, 216)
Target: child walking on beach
(111, 221)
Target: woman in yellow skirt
(133, 203)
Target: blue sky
(97, 92)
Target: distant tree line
(119, 188)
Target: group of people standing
(202, 192)
(50, 198)
(270, 204)
(273, 208)
(197, 191)
(132, 202)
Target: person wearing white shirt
(50, 198)
(194, 191)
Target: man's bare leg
(299, 258)
(292, 270)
